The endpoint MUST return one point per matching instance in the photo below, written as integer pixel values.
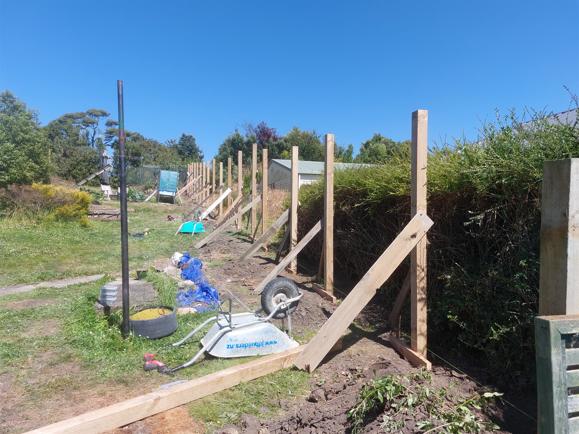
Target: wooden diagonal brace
(363, 292)
(270, 232)
(291, 255)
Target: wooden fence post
(239, 181)
(418, 326)
(294, 188)
(214, 177)
(264, 191)
(253, 185)
(329, 216)
(208, 170)
(229, 184)
(220, 186)
(559, 267)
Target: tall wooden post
(229, 183)
(203, 181)
(329, 216)
(418, 326)
(213, 179)
(239, 180)
(264, 190)
(208, 171)
(559, 268)
(293, 267)
(253, 186)
(220, 187)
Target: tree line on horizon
(71, 145)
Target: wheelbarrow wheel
(277, 291)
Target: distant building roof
(317, 167)
(568, 117)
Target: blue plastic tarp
(203, 296)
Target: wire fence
(148, 176)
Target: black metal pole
(124, 222)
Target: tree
(380, 149)
(233, 143)
(344, 154)
(310, 146)
(188, 149)
(265, 137)
(23, 146)
(76, 141)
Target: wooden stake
(329, 216)
(264, 191)
(239, 180)
(559, 267)
(253, 185)
(418, 288)
(294, 206)
(365, 289)
(229, 183)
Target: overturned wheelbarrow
(249, 334)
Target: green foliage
(310, 146)
(233, 143)
(412, 399)
(483, 262)
(344, 154)
(76, 141)
(379, 150)
(135, 195)
(187, 148)
(23, 150)
(77, 163)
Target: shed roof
(317, 167)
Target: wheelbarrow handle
(194, 331)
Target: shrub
(135, 195)
(46, 202)
(483, 261)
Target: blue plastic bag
(204, 297)
(191, 268)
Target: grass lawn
(60, 357)
(32, 252)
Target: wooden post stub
(559, 267)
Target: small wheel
(277, 291)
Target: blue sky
(352, 68)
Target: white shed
(279, 173)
